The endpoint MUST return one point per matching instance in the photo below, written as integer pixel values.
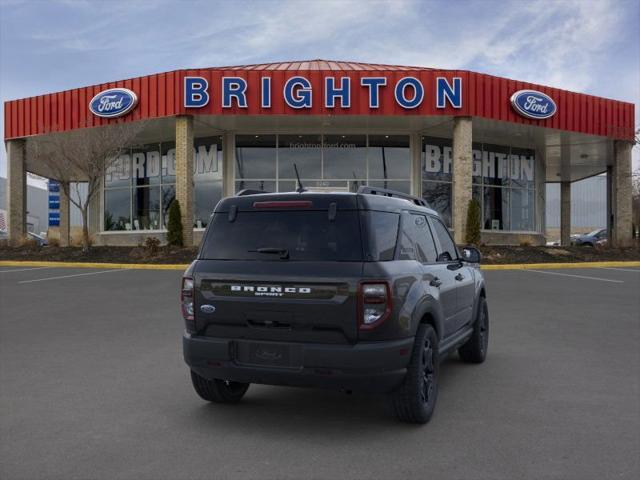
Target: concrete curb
(550, 266)
(183, 266)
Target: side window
(448, 250)
(425, 246)
(382, 228)
(407, 243)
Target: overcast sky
(582, 45)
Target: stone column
(621, 185)
(184, 174)
(462, 175)
(16, 191)
(65, 216)
(565, 213)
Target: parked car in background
(591, 239)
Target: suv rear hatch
(282, 268)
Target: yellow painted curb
(525, 266)
(183, 266)
(133, 266)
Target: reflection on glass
(207, 159)
(303, 150)
(168, 195)
(264, 185)
(437, 163)
(522, 210)
(255, 156)
(495, 164)
(117, 215)
(168, 162)
(146, 208)
(389, 157)
(344, 156)
(438, 197)
(118, 173)
(522, 167)
(145, 165)
(496, 208)
(207, 195)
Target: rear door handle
(435, 282)
(459, 277)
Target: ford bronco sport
(357, 291)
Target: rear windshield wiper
(283, 252)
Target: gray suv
(357, 291)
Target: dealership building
(445, 135)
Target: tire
(218, 391)
(475, 349)
(415, 400)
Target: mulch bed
(170, 255)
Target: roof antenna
(300, 188)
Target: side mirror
(471, 255)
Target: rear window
(303, 235)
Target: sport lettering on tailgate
(240, 289)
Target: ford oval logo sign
(114, 102)
(533, 104)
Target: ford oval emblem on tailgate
(207, 308)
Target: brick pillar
(462, 175)
(184, 174)
(65, 215)
(16, 191)
(565, 213)
(621, 186)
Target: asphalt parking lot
(92, 385)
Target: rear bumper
(368, 367)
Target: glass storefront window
(255, 156)
(398, 185)
(496, 208)
(438, 197)
(303, 150)
(264, 185)
(344, 157)
(168, 195)
(118, 174)
(522, 167)
(117, 205)
(436, 159)
(168, 162)
(145, 165)
(389, 157)
(521, 210)
(497, 171)
(146, 208)
(207, 159)
(495, 165)
(206, 196)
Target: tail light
(374, 304)
(186, 300)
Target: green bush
(473, 223)
(174, 228)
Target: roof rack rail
(393, 193)
(248, 191)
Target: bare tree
(82, 156)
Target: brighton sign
(113, 103)
(298, 93)
(533, 104)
